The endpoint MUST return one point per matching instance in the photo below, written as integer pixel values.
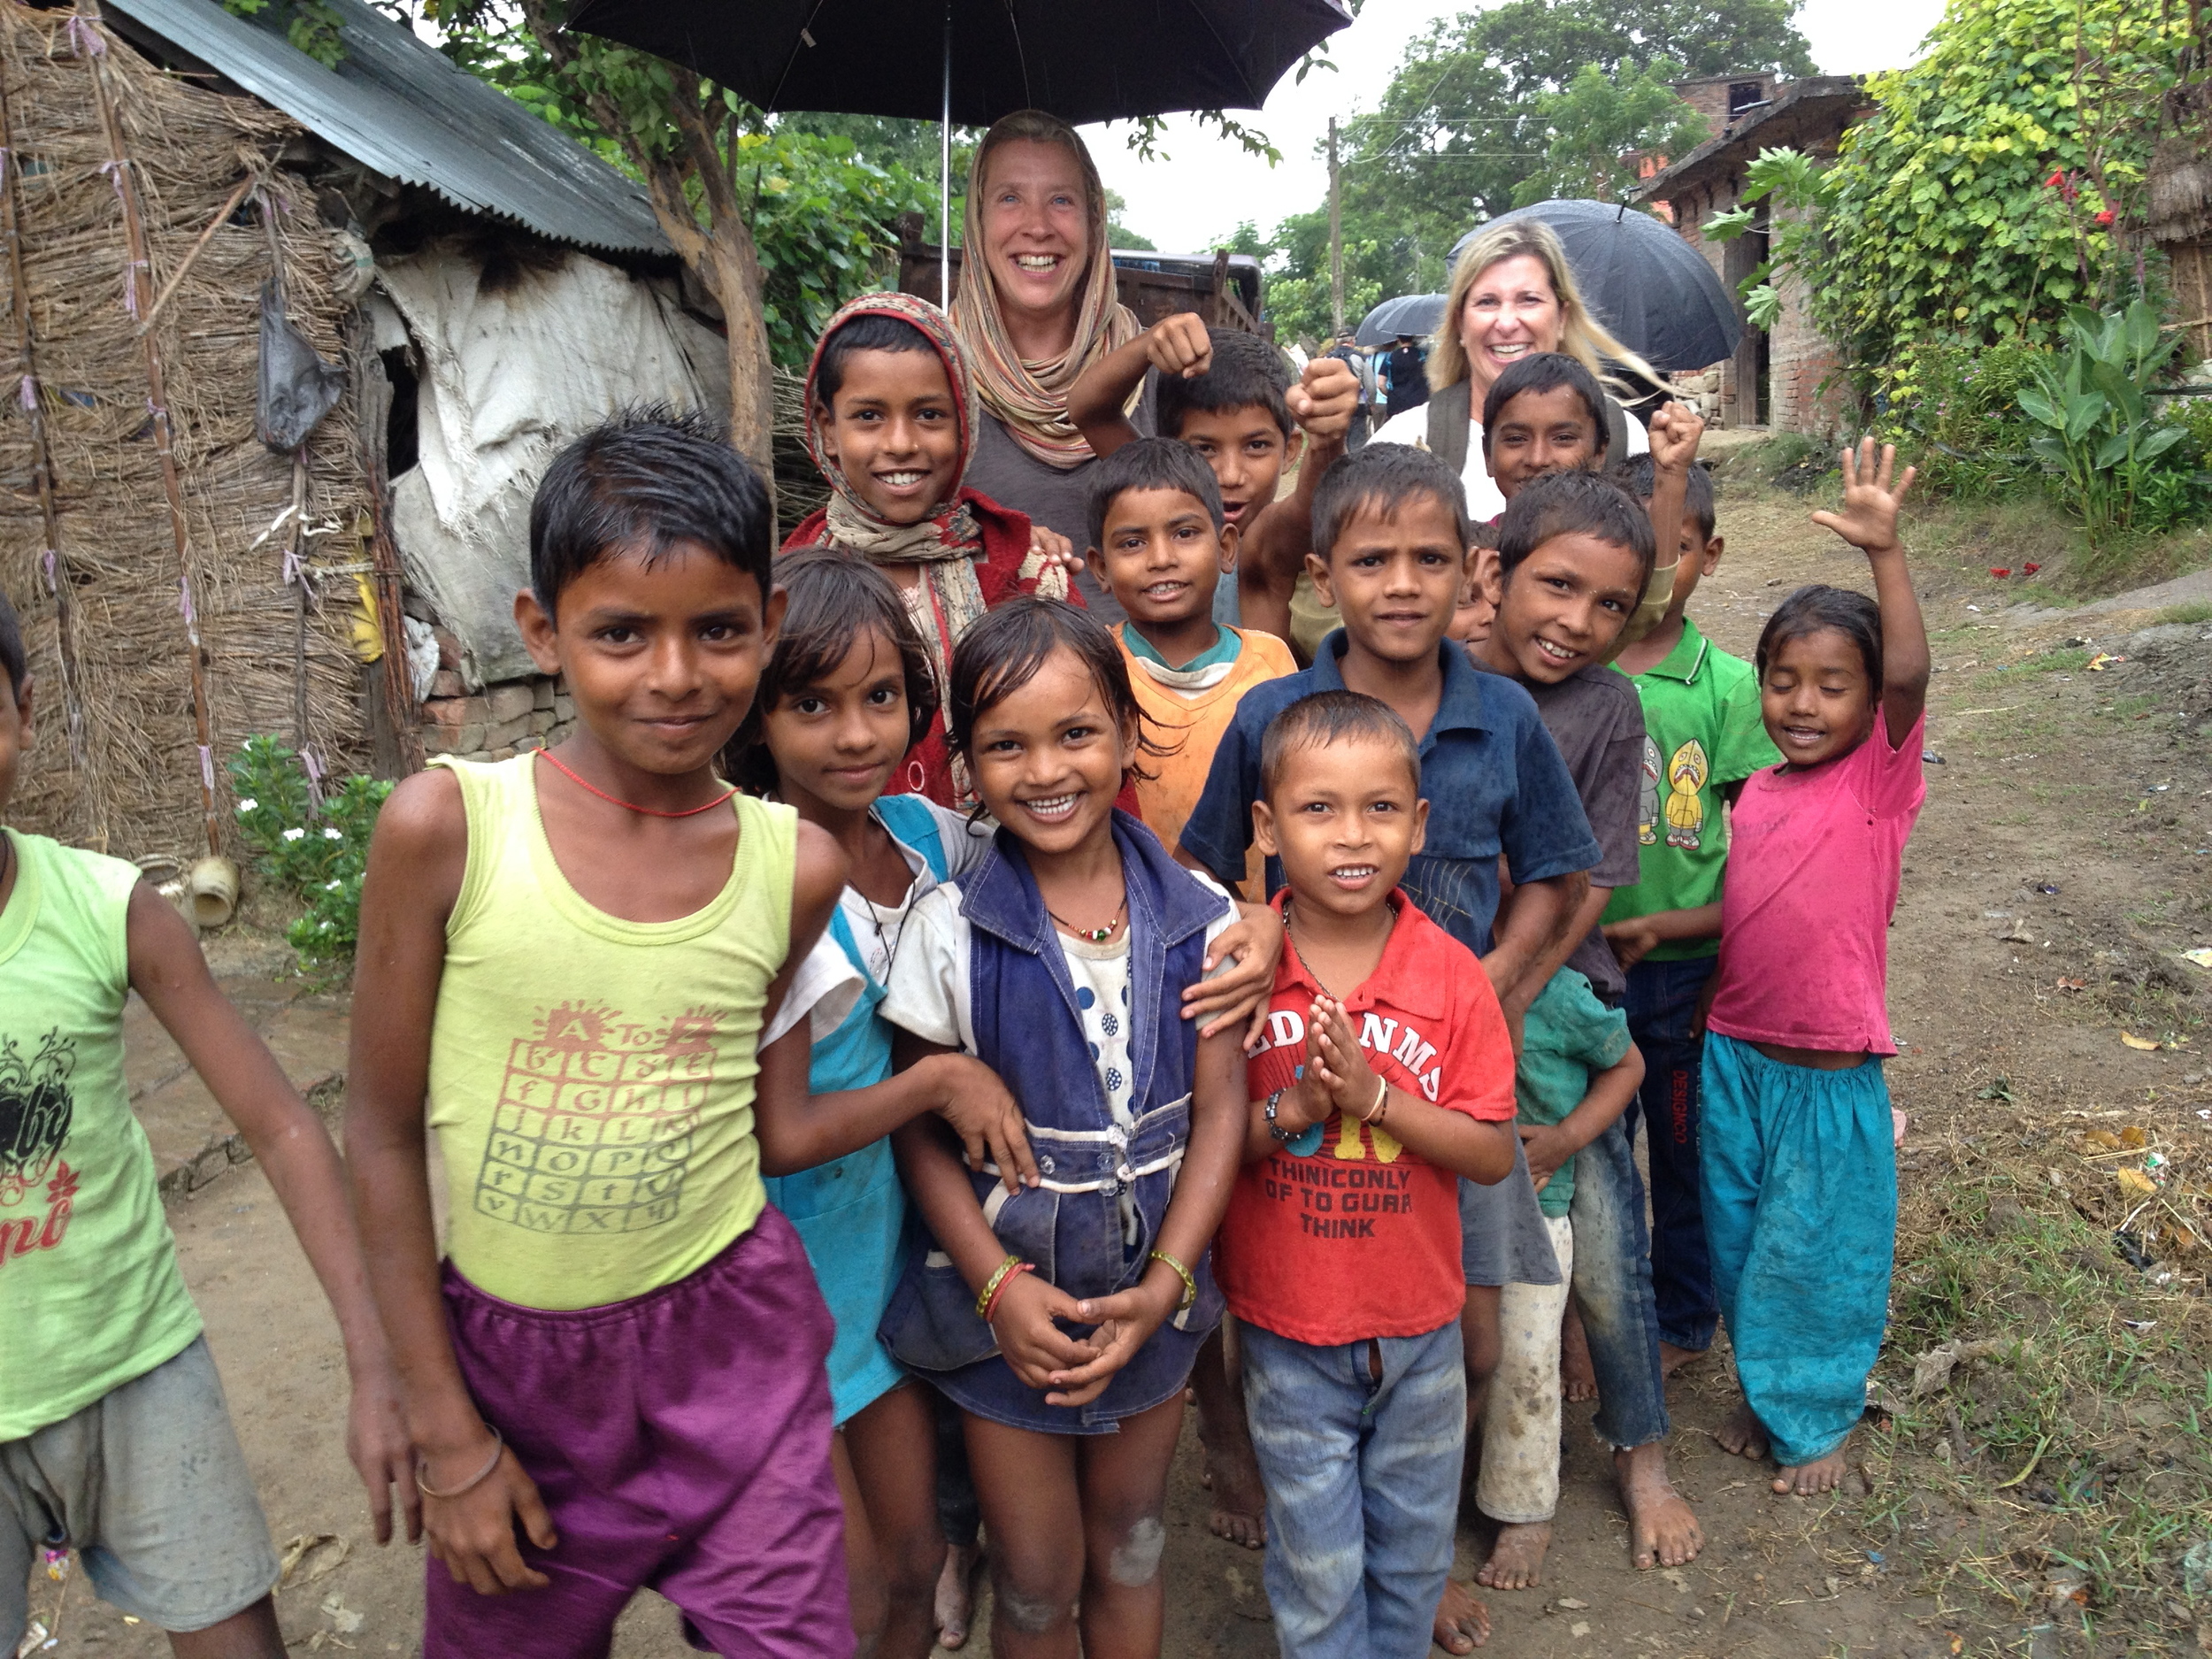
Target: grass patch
(2066, 660)
(2136, 561)
(2184, 615)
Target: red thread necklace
(650, 811)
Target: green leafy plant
(316, 853)
(2097, 427)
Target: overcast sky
(1194, 199)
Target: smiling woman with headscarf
(1036, 308)
(891, 424)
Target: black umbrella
(1415, 314)
(1084, 60)
(1649, 287)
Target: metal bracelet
(499, 1447)
(1190, 1284)
(990, 1287)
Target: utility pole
(1336, 241)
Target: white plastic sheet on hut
(508, 374)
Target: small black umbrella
(1084, 60)
(1415, 314)
(1649, 287)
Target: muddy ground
(2067, 837)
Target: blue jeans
(1662, 1007)
(1612, 1286)
(1362, 1476)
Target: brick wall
(495, 722)
(1807, 393)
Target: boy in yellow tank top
(567, 962)
(114, 1437)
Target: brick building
(1776, 377)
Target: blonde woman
(1512, 293)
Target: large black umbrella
(1415, 314)
(971, 61)
(1649, 287)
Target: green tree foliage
(1993, 186)
(1539, 93)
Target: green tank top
(591, 1079)
(90, 1297)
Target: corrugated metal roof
(400, 108)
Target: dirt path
(2044, 768)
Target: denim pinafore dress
(851, 1213)
(1029, 1030)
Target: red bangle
(1012, 1273)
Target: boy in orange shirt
(1160, 543)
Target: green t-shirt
(1568, 1037)
(1702, 733)
(90, 1297)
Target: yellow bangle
(991, 1285)
(1190, 1284)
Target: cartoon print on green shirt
(1647, 800)
(1685, 812)
(35, 1108)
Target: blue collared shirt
(1490, 771)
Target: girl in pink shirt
(1798, 1162)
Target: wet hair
(1333, 716)
(868, 331)
(1151, 464)
(1575, 503)
(13, 662)
(1810, 610)
(1637, 473)
(1546, 371)
(1247, 373)
(1389, 474)
(1002, 651)
(642, 481)
(835, 597)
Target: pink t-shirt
(1813, 864)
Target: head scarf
(1031, 396)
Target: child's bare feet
(955, 1595)
(1232, 1475)
(1743, 1434)
(1672, 1359)
(1516, 1560)
(1806, 1481)
(1578, 1377)
(1463, 1624)
(1663, 1526)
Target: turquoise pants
(1797, 1172)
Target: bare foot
(1232, 1475)
(955, 1595)
(1663, 1527)
(1823, 1474)
(1672, 1359)
(1463, 1624)
(1517, 1560)
(1578, 1377)
(1743, 1434)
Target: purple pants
(681, 1442)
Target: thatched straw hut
(2179, 210)
(184, 585)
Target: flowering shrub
(318, 855)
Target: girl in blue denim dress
(844, 695)
(1063, 1317)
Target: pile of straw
(119, 764)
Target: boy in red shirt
(1388, 1074)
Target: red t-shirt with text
(1359, 1237)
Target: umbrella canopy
(1649, 287)
(1415, 314)
(1088, 61)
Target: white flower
(330, 834)
(295, 833)
(248, 805)
(330, 886)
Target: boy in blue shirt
(1392, 545)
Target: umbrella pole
(944, 178)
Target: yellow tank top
(591, 1079)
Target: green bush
(1957, 407)
(316, 854)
